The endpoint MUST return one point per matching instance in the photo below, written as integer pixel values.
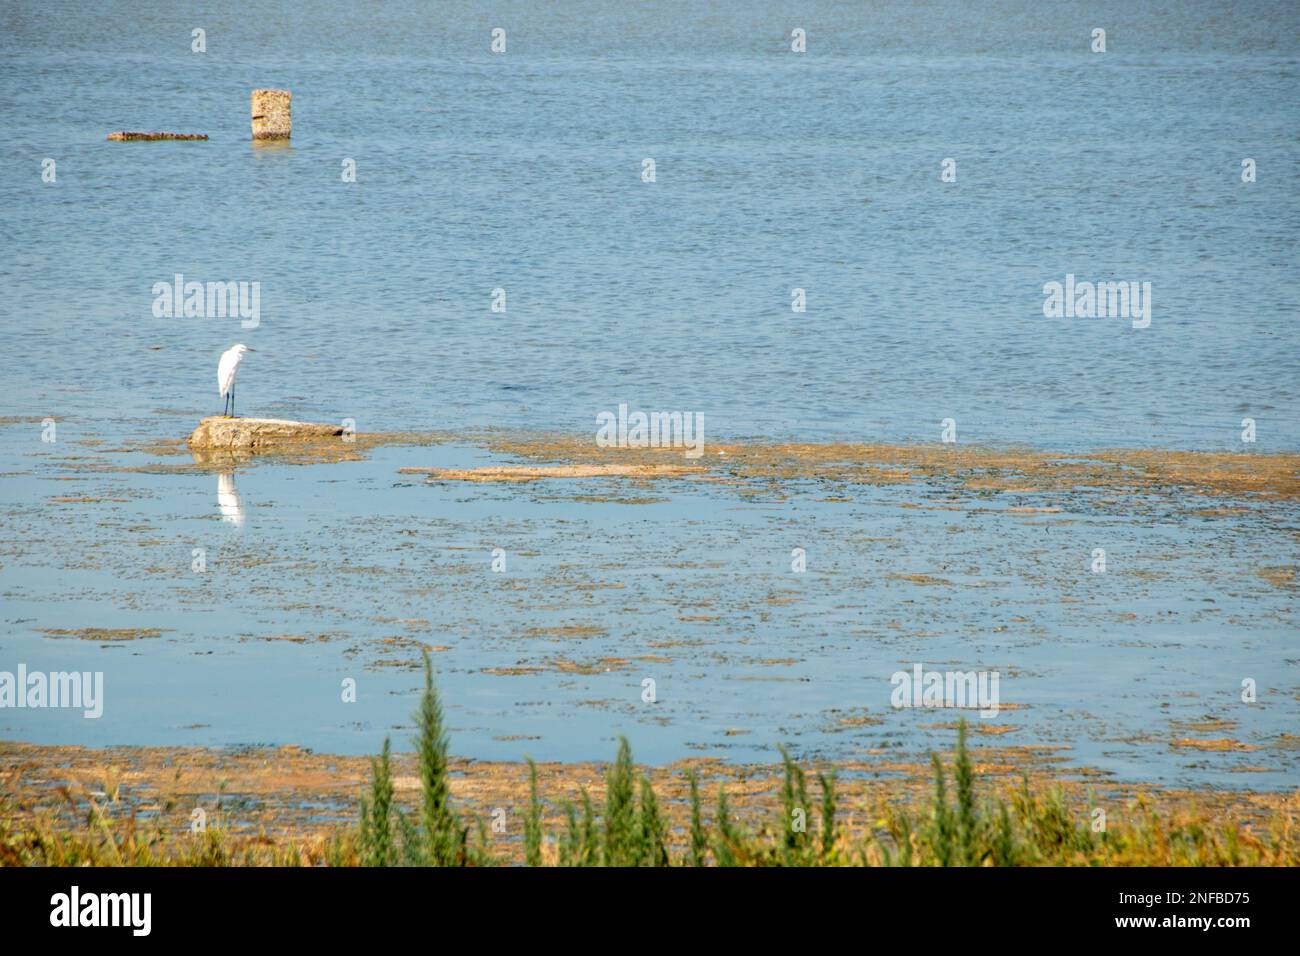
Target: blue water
(522, 171)
(774, 170)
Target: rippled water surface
(522, 172)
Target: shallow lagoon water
(774, 172)
(317, 573)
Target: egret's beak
(250, 350)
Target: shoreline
(283, 798)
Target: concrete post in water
(272, 117)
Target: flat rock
(248, 434)
(131, 136)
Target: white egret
(227, 368)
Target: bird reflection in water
(228, 499)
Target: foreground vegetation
(633, 825)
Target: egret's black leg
(232, 403)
